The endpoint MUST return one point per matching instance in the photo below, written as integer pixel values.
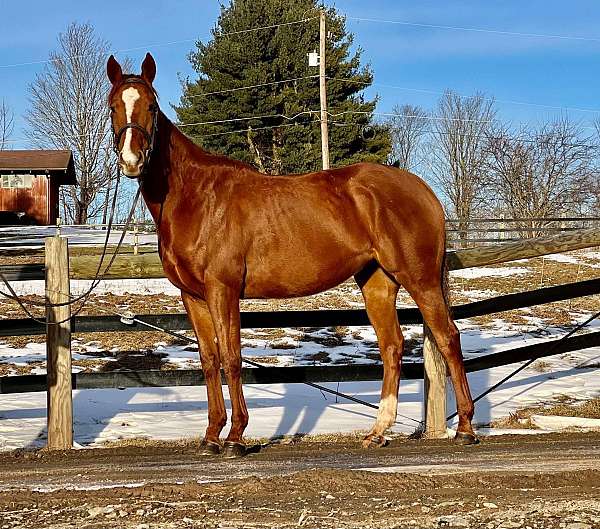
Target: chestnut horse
(228, 232)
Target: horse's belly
(301, 274)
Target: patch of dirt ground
(537, 481)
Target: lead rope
(95, 282)
(553, 347)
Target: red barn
(29, 183)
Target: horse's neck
(164, 176)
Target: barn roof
(58, 163)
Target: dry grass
(321, 357)
(562, 406)
(263, 359)
(541, 366)
(181, 444)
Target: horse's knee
(217, 419)
(467, 409)
(210, 369)
(233, 369)
(392, 355)
(448, 342)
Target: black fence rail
(311, 318)
(295, 374)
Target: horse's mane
(213, 158)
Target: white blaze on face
(129, 96)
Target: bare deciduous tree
(592, 186)
(407, 128)
(458, 152)
(7, 123)
(68, 111)
(542, 173)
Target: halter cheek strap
(149, 137)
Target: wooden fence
(492, 231)
(477, 231)
(60, 381)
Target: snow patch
(476, 273)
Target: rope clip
(127, 318)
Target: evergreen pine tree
(235, 58)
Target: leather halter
(149, 137)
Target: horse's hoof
(232, 449)
(209, 448)
(466, 439)
(374, 441)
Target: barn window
(17, 181)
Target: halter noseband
(149, 137)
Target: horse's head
(134, 113)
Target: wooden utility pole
(323, 93)
(434, 393)
(58, 346)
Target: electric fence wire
(129, 319)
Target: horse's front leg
(224, 305)
(201, 319)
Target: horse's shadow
(300, 409)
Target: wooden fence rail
(147, 265)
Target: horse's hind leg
(435, 311)
(211, 366)
(380, 292)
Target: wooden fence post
(58, 346)
(434, 392)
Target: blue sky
(422, 61)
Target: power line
(200, 123)
(253, 86)
(396, 114)
(443, 133)
(161, 44)
(200, 95)
(439, 92)
(477, 30)
(257, 128)
(247, 118)
(396, 87)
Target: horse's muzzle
(132, 170)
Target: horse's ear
(113, 70)
(148, 68)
